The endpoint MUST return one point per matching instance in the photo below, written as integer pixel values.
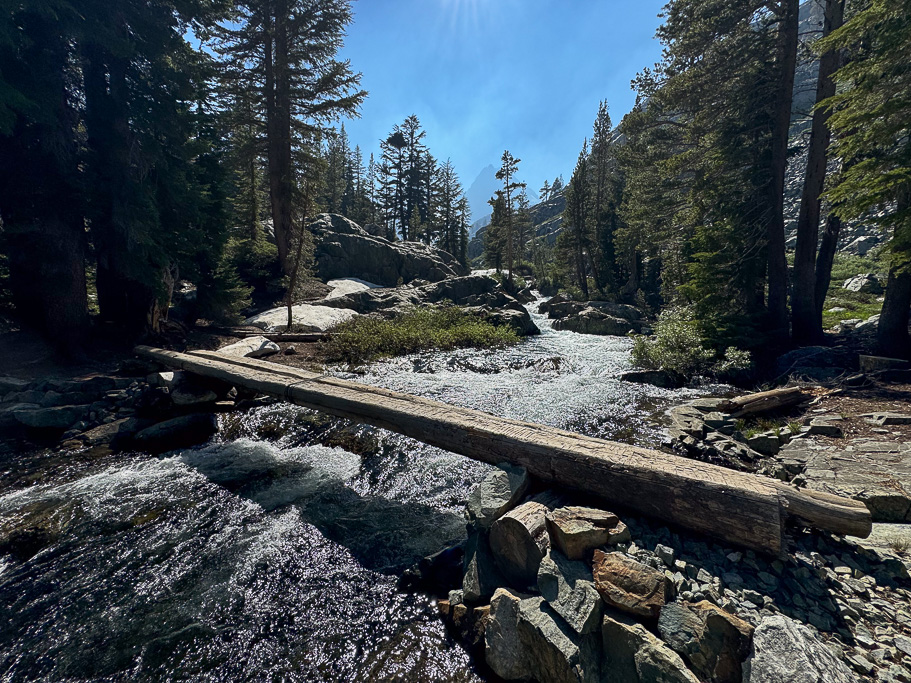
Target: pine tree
(869, 120)
(41, 205)
(495, 233)
(285, 52)
(507, 173)
(574, 240)
(544, 192)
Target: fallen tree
(744, 509)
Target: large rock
(785, 651)
(815, 362)
(479, 294)
(497, 494)
(555, 654)
(575, 530)
(503, 650)
(569, 588)
(179, 432)
(345, 250)
(60, 417)
(867, 283)
(347, 285)
(519, 541)
(714, 642)
(630, 586)
(659, 378)
(594, 321)
(481, 576)
(633, 655)
(251, 347)
(304, 317)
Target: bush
(679, 346)
(442, 327)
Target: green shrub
(442, 327)
(678, 346)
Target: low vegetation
(856, 305)
(679, 346)
(439, 328)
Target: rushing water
(277, 559)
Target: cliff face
(546, 220)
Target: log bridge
(744, 509)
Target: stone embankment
(814, 450)
(549, 588)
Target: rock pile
(593, 317)
(155, 413)
(554, 591)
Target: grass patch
(433, 328)
(856, 305)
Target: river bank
(301, 526)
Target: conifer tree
(869, 120)
(544, 192)
(507, 173)
(285, 52)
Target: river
(277, 559)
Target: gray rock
(497, 493)
(887, 419)
(481, 576)
(502, 649)
(766, 443)
(479, 294)
(659, 378)
(59, 417)
(785, 651)
(192, 395)
(554, 652)
(251, 347)
(593, 321)
(824, 426)
(519, 540)
(304, 318)
(867, 283)
(631, 654)
(345, 250)
(179, 432)
(9, 384)
(569, 588)
(870, 364)
(711, 640)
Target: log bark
(739, 508)
(519, 542)
(763, 402)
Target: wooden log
(762, 402)
(519, 542)
(739, 508)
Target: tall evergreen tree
(869, 120)
(39, 181)
(286, 50)
(507, 173)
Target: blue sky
(488, 75)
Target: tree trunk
(278, 130)
(806, 327)
(824, 262)
(892, 335)
(41, 209)
(786, 61)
